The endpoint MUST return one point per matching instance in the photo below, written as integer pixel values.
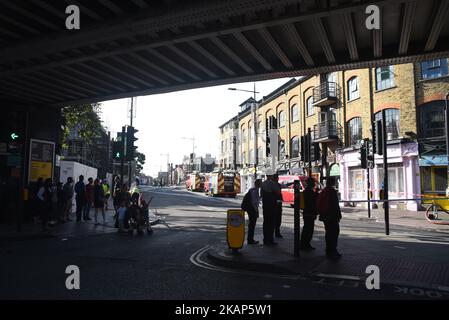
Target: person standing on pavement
(329, 210)
(309, 215)
(90, 197)
(253, 210)
(45, 202)
(107, 193)
(80, 190)
(99, 200)
(278, 212)
(270, 193)
(116, 187)
(68, 197)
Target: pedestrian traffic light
(117, 150)
(378, 138)
(130, 139)
(363, 157)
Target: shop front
(403, 176)
(433, 170)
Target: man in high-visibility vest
(107, 193)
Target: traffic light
(316, 151)
(14, 131)
(378, 138)
(117, 150)
(363, 157)
(305, 148)
(130, 139)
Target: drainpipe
(447, 138)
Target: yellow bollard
(235, 228)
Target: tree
(140, 161)
(82, 121)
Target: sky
(163, 120)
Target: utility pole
(254, 105)
(193, 151)
(384, 146)
(368, 184)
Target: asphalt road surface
(160, 266)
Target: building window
(243, 135)
(310, 106)
(281, 150)
(222, 146)
(384, 77)
(259, 126)
(395, 178)
(355, 131)
(281, 119)
(392, 117)
(259, 155)
(431, 119)
(356, 180)
(353, 88)
(434, 68)
(295, 147)
(295, 113)
(251, 133)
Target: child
(121, 216)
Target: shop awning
(436, 160)
(335, 170)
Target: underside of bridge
(140, 47)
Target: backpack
(323, 202)
(246, 202)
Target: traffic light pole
(122, 160)
(309, 147)
(368, 178)
(385, 162)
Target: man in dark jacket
(253, 210)
(331, 217)
(80, 190)
(270, 193)
(278, 212)
(309, 214)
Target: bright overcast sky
(164, 119)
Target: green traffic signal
(14, 136)
(117, 155)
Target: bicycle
(433, 211)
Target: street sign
(235, 228)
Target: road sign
(235, 228)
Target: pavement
(404, 259)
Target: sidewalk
(404, 218)
(8, 231)
(418, 261)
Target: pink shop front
(403, 176)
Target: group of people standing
(53, 201)
(324, 204)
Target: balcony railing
(325, 94)
(327, 131)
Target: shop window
(392, 118)
(440, 179)
(434, 68)
(395, 178)
(431, 119)
(356, 179)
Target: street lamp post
(193, 150)
(254, 113)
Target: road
(163, 265)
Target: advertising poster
(41, 165)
